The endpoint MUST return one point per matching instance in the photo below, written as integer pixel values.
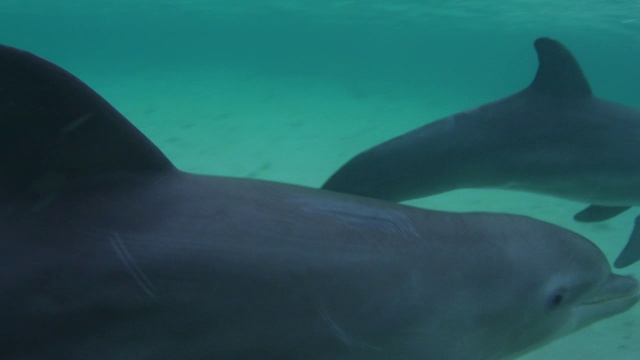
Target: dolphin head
(495, 288)
(552, 283)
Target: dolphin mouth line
(632, 292)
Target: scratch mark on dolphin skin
(46, 187)
(390, 221)
(72, 125)
(132, 267)
(343, 336)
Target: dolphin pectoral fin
(595, 213)
(631, 252)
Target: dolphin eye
(557, 299)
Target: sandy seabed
(299, 130)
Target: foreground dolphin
(109, 252)
(553, 137)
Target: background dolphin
(109, 252)
(554, 137)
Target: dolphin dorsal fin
(559, 74)
(53, 128)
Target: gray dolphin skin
(110, 252)
(554, 137)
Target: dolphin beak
(618, 294)
(616, 287)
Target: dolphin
(554, 137)
(110, 252)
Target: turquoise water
(289, 90)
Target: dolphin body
(109, 252)
(554, 137)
